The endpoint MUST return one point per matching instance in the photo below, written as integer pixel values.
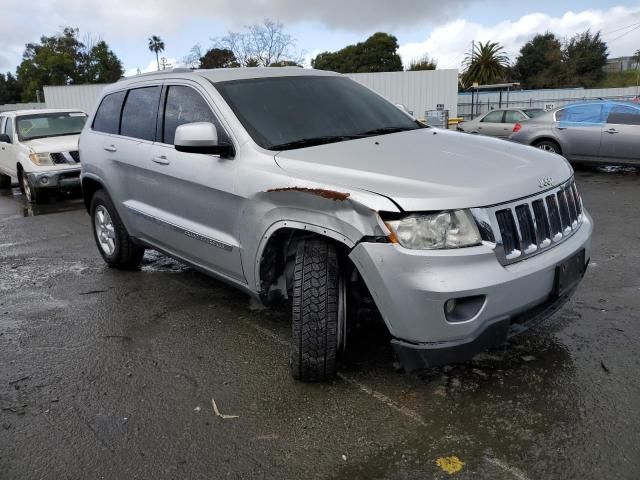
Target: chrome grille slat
(525, 227)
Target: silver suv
(304, 186)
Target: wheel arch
(90, 185)
(547, 138)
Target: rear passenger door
(621, 134)
(579, 130)
(194, 201)
(492, 124)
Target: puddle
(618, 170)
(13, 203)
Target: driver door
(7, 150)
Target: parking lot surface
(166, 373)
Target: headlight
(42, 159)
(452, 229)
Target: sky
(443, 30)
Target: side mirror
(201, 137)
(4, 138)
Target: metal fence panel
(82, 97)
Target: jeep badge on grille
(545, 182)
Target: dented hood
(430, 169)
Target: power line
(625, 33)
(621, 28)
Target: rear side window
(493, 117)
(140, 112)
(185, 105)
(513, 116)
(8, 128)
(581, 114)
(623, 115)
(107, 118)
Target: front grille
(65, 158)
(532, 224)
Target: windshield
(49, 125)
(534, 112)
(282, 113)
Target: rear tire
(548, 146)
(113, 241)
(317, 308)
(5, 181)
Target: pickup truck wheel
(34, 195)
(5, 181)
(112, 239)
(318, 312)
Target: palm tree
(486, 63)
(156, 45)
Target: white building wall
(82, 97)
(418, 91)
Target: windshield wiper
(313, 141)
(384, 130)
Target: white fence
(548, 99)
(21, 106)
(418, 91)
(82, 97)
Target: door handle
(162, 160)
(611, 131)
(110, 148)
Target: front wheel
(113, 241)
(319, 312)
(33, 194)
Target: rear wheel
(549, 146)
(113, 241)
(5, 181)
(319, 312)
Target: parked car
(598, 132)
(459, 241)
(40, 149)
(499, 123)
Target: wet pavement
(109, 374)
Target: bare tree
(262, 44)
(192, 59)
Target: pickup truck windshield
(44, 125)
(283, 113)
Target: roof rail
(159, 72)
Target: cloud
(152, 66)
(449, 43)
(20, 23)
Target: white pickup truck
(40, 149)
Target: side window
(581, 114)
(8, 128)
(494, 117)
(623, 115)
(185, 105)
(140, 112)
(107, 117)
(513, 116)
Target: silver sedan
(600, 132)
(499, 123)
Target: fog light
(44, 180)
(463, 308)
(450, 306)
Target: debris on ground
(450, 465)
(217, 412)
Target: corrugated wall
(21, 106)
(418, 91)
(82, 97)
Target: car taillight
(516, 128)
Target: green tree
(423, 63)
(156, 45)
(540, 63)
(218, 58)
(378, 53)
(485, 64)
(103, 66)
(585, 55)
(9, 90)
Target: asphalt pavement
(166, 373)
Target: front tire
(33, 194)
(318, 312)
(113, 241)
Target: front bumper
(60, 179)
(411, 287)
